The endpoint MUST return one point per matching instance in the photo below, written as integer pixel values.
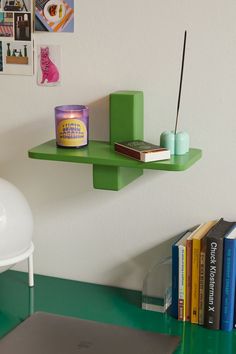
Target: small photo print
(17, 58)
(6, 24)
(1, 60)
(54, 15)
(22, 23)
(16, 5)
(49, 65)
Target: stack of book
(204, 275)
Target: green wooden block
(112, 177)
(126, 116)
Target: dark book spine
(213, 282)
(125, 151)
(175, 280)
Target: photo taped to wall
(6, 24)
(17, 58)
(54, 15)
(49, 65)
(1, 59)
(16, 5)
(22, 24)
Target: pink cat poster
(49, 65)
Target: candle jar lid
(71, 109)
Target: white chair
(16, 228)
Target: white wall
(113, 237)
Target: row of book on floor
(204, 275)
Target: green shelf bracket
(126, 123)
(113, 178)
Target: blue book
(228, 281)
(235, 312)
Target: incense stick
(180, 84)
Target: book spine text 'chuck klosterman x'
(213, 273)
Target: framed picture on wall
(54, 15)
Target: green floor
(100, 303)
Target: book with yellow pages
(197, 237)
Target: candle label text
(71, 133)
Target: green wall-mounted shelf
(112, 171)
(106, 161)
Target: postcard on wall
(54, 15)
(49, 65)
(16, 44)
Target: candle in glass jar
(71, 124)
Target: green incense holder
(178, 143)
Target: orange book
(196, 249)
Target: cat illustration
(49, 69)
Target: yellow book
(196, 249)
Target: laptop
(44, 333)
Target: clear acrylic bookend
(157, 291)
